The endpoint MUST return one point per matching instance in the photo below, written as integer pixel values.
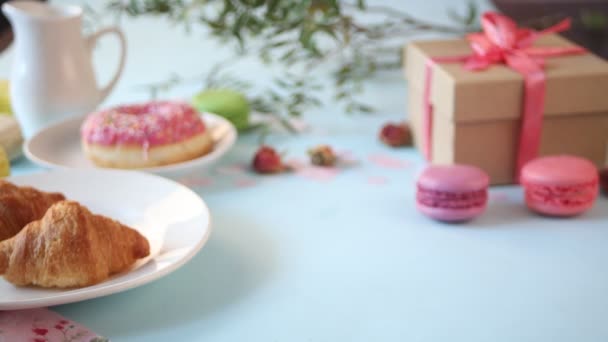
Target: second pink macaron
(560, 185)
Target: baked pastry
(70, 247)
(145, 135)
(22, 205)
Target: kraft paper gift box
(476, 114)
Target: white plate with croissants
(167, 138)
(72, 235)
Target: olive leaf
(302, 36)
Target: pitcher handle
(92, 40)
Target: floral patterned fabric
(42, 325)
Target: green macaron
(228, 103)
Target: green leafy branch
(303, 35)
(287, 97)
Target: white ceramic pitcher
(52, 77)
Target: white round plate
(58, 146)
(174, 219)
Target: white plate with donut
(175, 221)
(59, 147)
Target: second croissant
(20, 205)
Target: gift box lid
(576, 84)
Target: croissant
(22, 205)
(70, 247)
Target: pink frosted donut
(145, 135)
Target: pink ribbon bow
(503, 42)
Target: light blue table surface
(347, 257)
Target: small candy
(322, 155)
(5, 165)
(452, 193)
(560, 185)
(228, 103)
(267, 160)
(396, 135)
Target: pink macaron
(452, 193)
(560, 185)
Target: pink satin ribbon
(503, 42)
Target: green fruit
(5, 99)
(230, 104)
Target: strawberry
(267, 160)
(396, 135)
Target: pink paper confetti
(311, 172)
(377, 180)
(196, 182)
(388, 162)
(231, 170)
(322, 174)
(244, 183)
(42, 325)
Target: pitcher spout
(11, 12)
